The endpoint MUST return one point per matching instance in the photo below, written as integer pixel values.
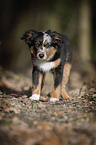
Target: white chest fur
(46, 66)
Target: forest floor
(67, 122)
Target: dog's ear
(55, 36)
(29, 36)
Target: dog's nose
(41, 55)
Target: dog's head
(43, 45)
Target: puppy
(50, 51)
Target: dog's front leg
(36, 84)
(57, 79)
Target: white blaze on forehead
(46, 37)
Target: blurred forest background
(76, 19)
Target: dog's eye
(38, 44)
(47, 45)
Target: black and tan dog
(50, 51)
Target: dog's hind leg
(57, 79)
(66, 73)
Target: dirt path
(71, 122)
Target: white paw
(54, 99)
(35, 97)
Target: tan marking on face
(36, 90)
(46, 42)
(66, 73)
(57, 62)
(50, 53)
(32, 50)
(38, 42)
(55, 92)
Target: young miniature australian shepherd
(50, 51)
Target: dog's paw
(35, 97)
(54, 99)
(44, 98)
(67, 97)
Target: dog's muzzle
(41, 55)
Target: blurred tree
(85, 33)
(93, 20)
(85, 30)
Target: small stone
(35, 122)
(15, 120)
(26, 88)
(24, 96)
